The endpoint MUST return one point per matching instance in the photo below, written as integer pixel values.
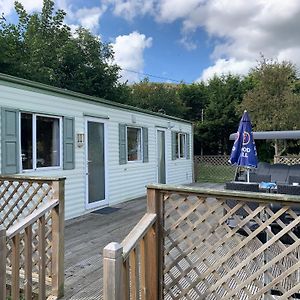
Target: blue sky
(186, 40)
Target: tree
(274, 101)
(224, 93)
(195, 98)
(41, 47)
(157, 97)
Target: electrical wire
(154, 76)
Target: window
(40, 141)
(181, 148)
(134, 142)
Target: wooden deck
(85, 238)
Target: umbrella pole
(236, 174)
(248, 171)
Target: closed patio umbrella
(244, 151)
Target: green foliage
(223, 94)
(274, 101)
(194, 97)
(42, 48)
(158, 97)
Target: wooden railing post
(58, 248)
(154, 244)
(2, 263)
(112, 272)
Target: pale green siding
(124, 181)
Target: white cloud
(226, 66)
(239, 30)
(188, 43)
(129, 54)
(89, 17)
(129, 9)
(289, 53)
(7, 6)
(171, 10)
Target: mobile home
(107, 151)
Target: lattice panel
(216, 160)
(18, 198)
(213, 168)
(225, 249)
(288, 160)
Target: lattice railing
(32, 217)
(224, 245)
(19, 198)
(213, 168)
(288, 160)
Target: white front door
(96, 187)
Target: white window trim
(34, 115)
(178, 134)
(141, 146)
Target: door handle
(89, 161)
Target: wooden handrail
(133, 269)
(235, 195)
(33, 217)
(30, 178)
(137, 233)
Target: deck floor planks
(85, 238)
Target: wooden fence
(288, 159)
(213, 168)
(204, 244)
(31, 237)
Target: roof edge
(65, 92)
(273, 135)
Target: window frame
(141, 144)
(34, 140)
(178, 142)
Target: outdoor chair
(241, 174)
(291, 188)
(261, 173)
(263, 168)
(286, 219)
(254, 177)
(279, 173)
(294, 179)
(294, 170)
(240, 213)
(288, 189)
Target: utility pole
(202, 119)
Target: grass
(216, 174)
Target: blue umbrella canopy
(244, 151)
